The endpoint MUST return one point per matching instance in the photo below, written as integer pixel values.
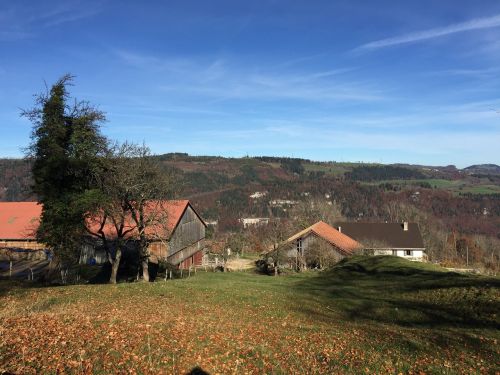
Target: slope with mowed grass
(373, 315)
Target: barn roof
(384, 235)
(330, 234)
(163, 216)
(19, 220)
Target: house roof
(330, 234)
(384, 235)
(19, 220)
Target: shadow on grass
(383, 296)
(390, 290)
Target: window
(408, 253)
(299, 246)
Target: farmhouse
(180, 241)
(400, 239)
(319, 239)
(322, 241)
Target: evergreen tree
(65, 151)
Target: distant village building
(282, 202)
(254, 221)
(258, 194)
(182, 243)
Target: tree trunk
(144, 254)
(53, 269)
(145, 269)
(115, 265)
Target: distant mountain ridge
(483, 168)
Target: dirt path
(240, 264)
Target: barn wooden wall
(189, 231)
(187, 239)
(22, 250)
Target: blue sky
(379, 81)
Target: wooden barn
(184, 243)
(180, 240)
(18, 224)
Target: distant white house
(258, 194)
(282, 202)
(254, 221)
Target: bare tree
(276, 232)
(109, 221)
(320, 254)
(147, 187)
(129, 204)
(313, 210)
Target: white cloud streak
(219, 81)
(19, 22)
(474, 24)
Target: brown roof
(163, 215)
(392, 235)
(19, 220)
(330, 234)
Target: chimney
(405, 226)
(340, 229)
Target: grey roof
(391, 235)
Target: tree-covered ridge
(384, 172)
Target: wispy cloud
(151, 63)
(219, 80)
(17, 22)
(474, 24)
(470, 73)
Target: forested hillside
(457, 210)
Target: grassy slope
(377, 315)
(454, 186)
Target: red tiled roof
(19, 220)
(157, 212)
(330, 234)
